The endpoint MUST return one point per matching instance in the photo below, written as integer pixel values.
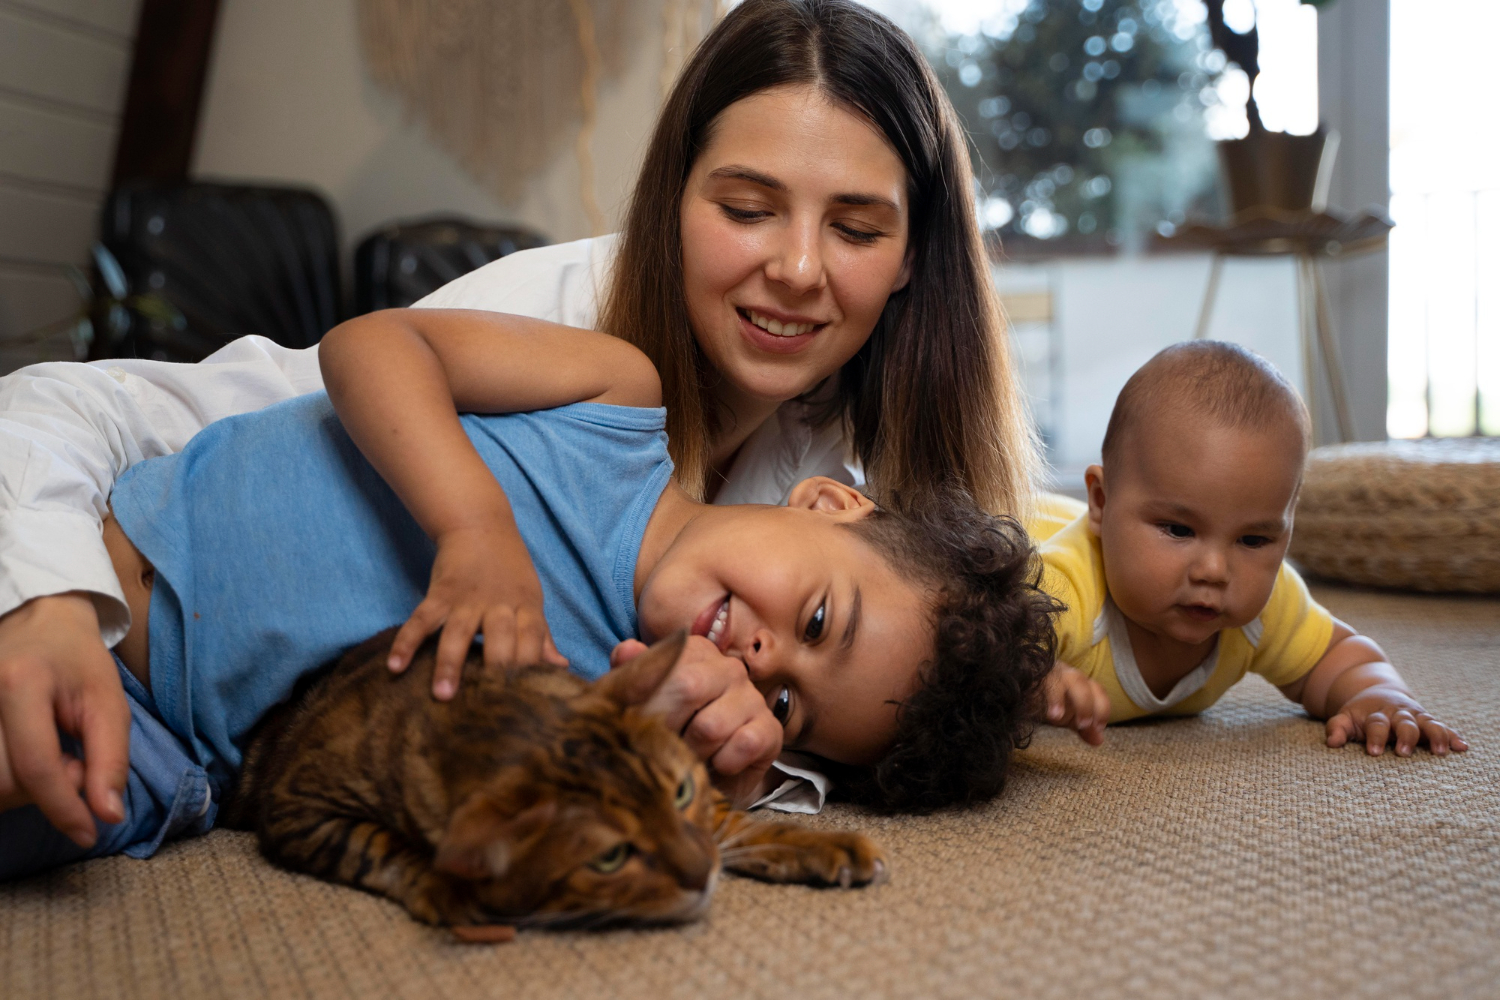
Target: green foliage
(1061, 99)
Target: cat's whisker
(739, 854)
(738, 836)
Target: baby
(1175, 579)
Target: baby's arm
(1076, 701)
(398, 380)
(1362, 696)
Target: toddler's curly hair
(979, 695)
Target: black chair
(400, 263)
(202, 264)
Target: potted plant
(1266, 169)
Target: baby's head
(909, 647)
(1193, 503)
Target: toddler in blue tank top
(274, 544)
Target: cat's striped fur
(533, 797)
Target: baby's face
(1194, 520)
(830, 634)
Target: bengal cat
(532, 798)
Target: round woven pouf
(1419, 515)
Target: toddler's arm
(1355, 688)
(398, 380)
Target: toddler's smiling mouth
(713, 623)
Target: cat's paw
(813, 857)
(846, 860)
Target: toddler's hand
(1379, 715)
(709, 699)
(56, 674)
(482, 581)
(1075, 701)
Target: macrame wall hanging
(502, 84)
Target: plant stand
(1310, 237)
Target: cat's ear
(635, 681)
(485, 835)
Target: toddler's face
(1194, 520)
(828, 631)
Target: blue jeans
(167, 795)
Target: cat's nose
(697, 871)
(693, 857)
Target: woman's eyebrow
(742, 173)
(737, 172)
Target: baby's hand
(482, 581)
(1078, 702)
(710, 700)
(1381, 714)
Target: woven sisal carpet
(1226, 856)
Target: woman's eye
(859, 235)
(611, 860)
(1178, 530)
(743, 214)
(815, 623)
(783, 707)
(684, 793)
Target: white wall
(288, 100)
(1111, 314)
(64, 65)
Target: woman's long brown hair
(930, 402)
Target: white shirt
(67, 431)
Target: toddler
(1175, 580)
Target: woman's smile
(769, 334)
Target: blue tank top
(277, 546)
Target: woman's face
(794, 234)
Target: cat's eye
(815, 623)
(685, 793)
(611, 860)
(782, 708)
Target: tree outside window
(1093, 121)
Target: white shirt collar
(1111, 623)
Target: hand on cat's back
(710, 700)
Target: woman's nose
(798, 261)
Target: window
(1092, 120)
(1444, 346)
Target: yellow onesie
(1052, 513)
(1283, 643)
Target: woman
(836, 317)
